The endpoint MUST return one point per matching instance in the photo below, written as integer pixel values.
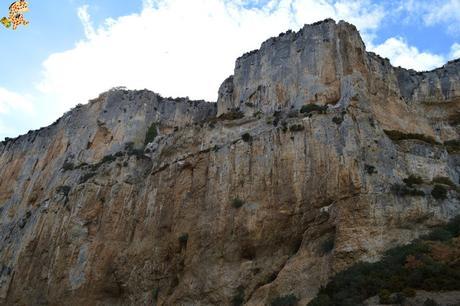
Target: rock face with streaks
(316, 155)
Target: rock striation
(316, 155)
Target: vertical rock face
(315, 65)
(240, 201)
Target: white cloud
(11, 101)
(434, 12)
(445, 11)
(14, 105)
(85, 19)
(401, 54)
(7, 131)
(181, 47)
(455, 51)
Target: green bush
(286, 300)
(108, 159)
(439, 192)
(151, 134)
(296, 128)
(258, 114)
(454, 226)
(337, 120)
(85, 177)
(321, 300)
(183, 239)
(413, 180)
(439, 234)
(64, 190)
(370, 169)
(452, 146)
(238, 299)
(68, 166)
(232, 115)
(237, 203)
(246, 137)
(443, 180)
(155, 293)
(454, 119)
(409, 292)
(328, 245)
(430, 302)
(310, 108)
(397, 136)
(403, 191)
(385, 297)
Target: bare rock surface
(257, 196)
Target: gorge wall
(316, 155)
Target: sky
(73, 50)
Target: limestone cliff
(317, 154)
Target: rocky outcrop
(299, 170)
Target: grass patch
(397, 136)
(151, 134)
(421, 265)
(237, 203)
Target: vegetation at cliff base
(430, 263)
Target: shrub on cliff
(246, 137)
(232, 115)
(151, 134)
(439, 192)
(310, 108)
(452, 146)
(238, 298)
(237, 202)
(413, 180)
(286, 300)
(397, 136)
(296, 128)
(404, 191)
